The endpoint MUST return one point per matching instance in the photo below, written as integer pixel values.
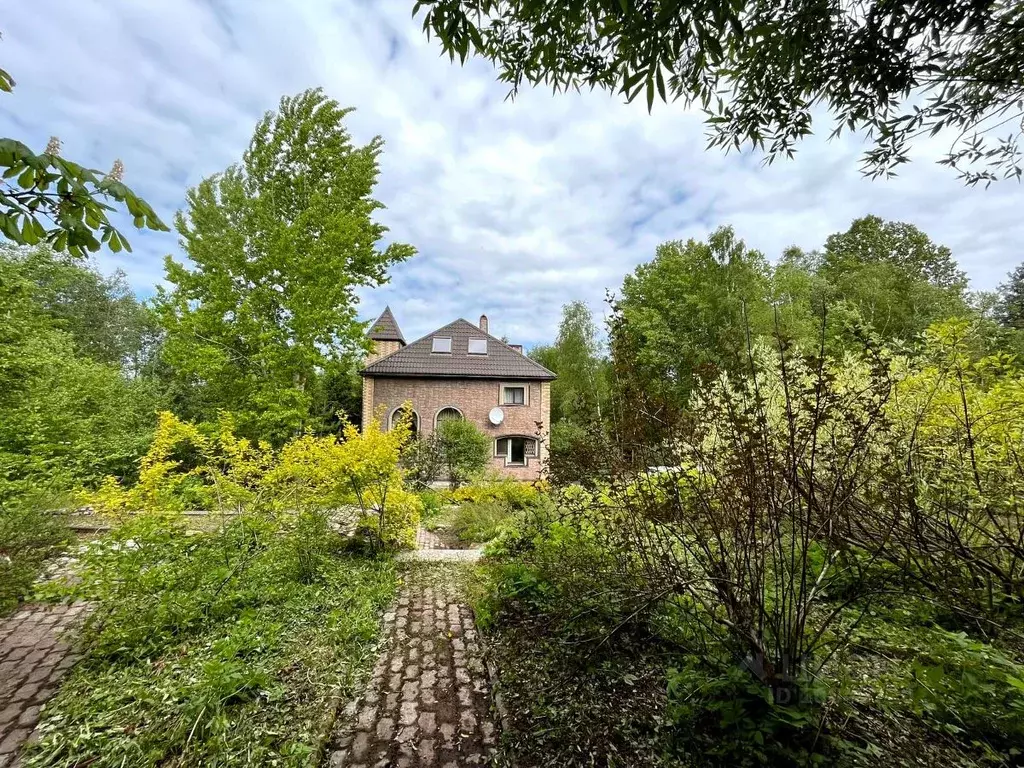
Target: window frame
(442, 409)
(507, 456)
(502, 400)
(469, 346)
(415, 424)
(433, 345)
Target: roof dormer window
(441, 344)
(477, 346)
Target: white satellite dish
(496, 416)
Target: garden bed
(225, 647)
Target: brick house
(461, 371)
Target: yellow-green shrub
(185, 468)
(513, 494)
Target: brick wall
(381, 349)
(475, 399)
(367, 401)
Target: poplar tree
(278, 245)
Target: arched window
(450, 412)
(396, 416)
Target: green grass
(215, 649)
(478, 522)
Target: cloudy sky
(515, 207)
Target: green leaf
(28, 232)
(6, 82)
(13, 152)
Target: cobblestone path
(33, 659)
(429, 540)
(430, 546)
(427, 703)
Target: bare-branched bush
(949, 512)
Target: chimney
(517, 347)
(483, 323)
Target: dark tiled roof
(386, 328)
(500, 362)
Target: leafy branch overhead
(760, 70)
(47, 198)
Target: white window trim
(447, 408)
(469, 348)
(437, 338)
(513, 385)
(526, 457)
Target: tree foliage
(896, 278)
(696, 308)
(1010, 307)
(101, 314)
(580, 392)
(465, 450)
(65, 418)
(759, 70)
(59, 202)
(279, 244)
(685, 315)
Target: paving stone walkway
(430, 546)
(33, 658)
(427, 704)
(429, 540)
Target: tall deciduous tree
(279, 244)
(579, 394)
(101, 314)
(686, 314)
(899, 281)
(761, 69)
(1010, 307)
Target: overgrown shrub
(511, 493)
(465, 450)
(423, 460)
(29, 534)
(480, 521)
(218, 648)
(578, 454)
(948, 509)
(554, 563)
(357, 479)
(729, 521)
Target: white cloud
(515, 207)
